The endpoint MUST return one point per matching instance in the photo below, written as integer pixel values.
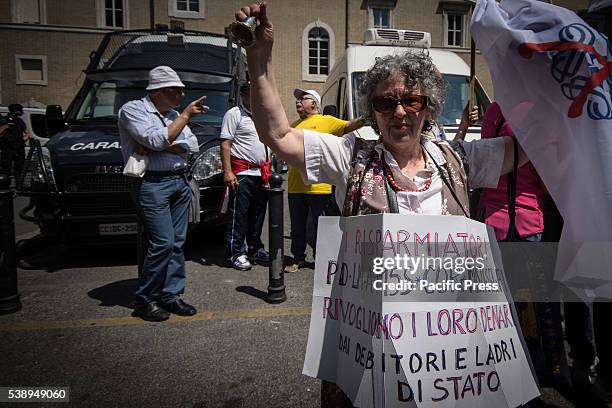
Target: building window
(31, 69)
(455, 29)
(186, 8)
(188, 5)
(28, 11)
(112, 13)
(380, 18)
(317, 51)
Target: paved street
(23, 229)
(75, 330)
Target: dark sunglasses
(411, 104)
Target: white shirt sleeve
(231, 119)
(485, 158)
(327, 157)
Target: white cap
(163, 77)
(298, 93)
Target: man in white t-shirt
(246, 169)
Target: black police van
(75, 180)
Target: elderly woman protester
(402, 94)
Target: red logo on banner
(567, 58)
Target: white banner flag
(551, 77)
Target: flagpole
(472, 74)
(472, 99)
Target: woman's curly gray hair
(418, 69)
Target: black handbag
(513, 234)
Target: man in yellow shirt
(315, 197)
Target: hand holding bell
(242, 33)
(252, 26)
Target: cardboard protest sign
(411, 310)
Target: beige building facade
(46, 43)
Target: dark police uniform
(12, 146)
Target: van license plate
(117, 229)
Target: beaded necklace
(395, 186)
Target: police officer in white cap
(151, 125)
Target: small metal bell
(242, 33)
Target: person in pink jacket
(493, 206)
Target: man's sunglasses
(411, 104)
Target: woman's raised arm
(268, 113)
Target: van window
(104, 99)
(330, 96)
(456, 99)
(356, 80)
(342, 105)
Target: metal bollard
(9, 296)
(276, 286)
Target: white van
(34, 119)
(340, 95)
